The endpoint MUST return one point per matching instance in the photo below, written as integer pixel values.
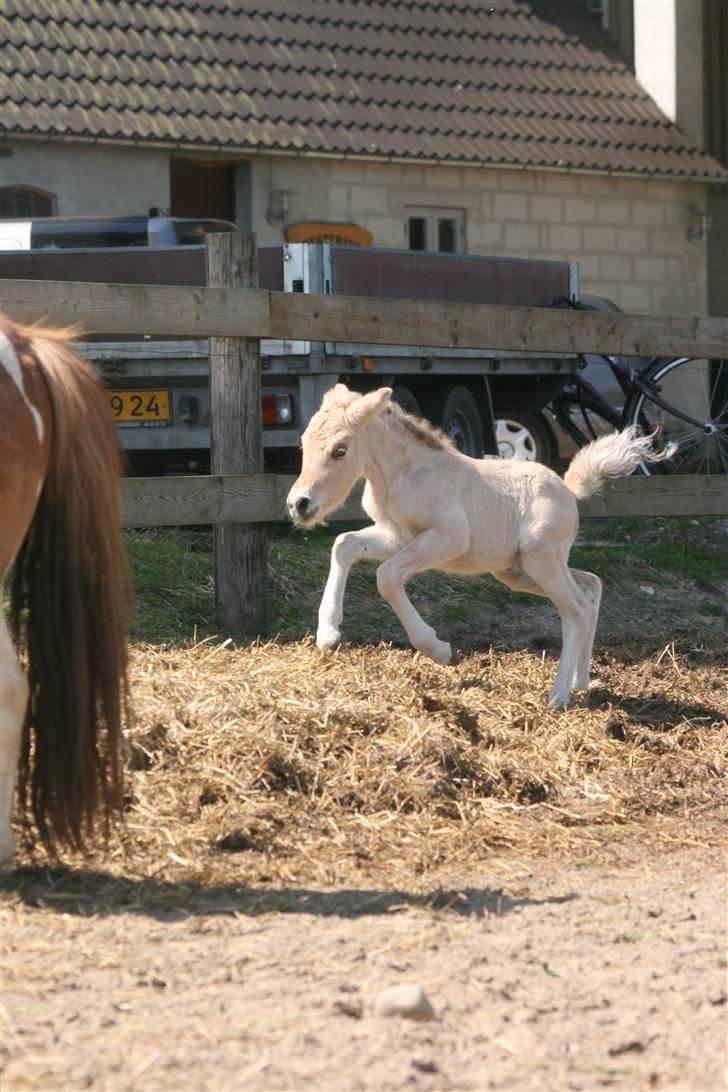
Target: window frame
(432, 215)
(34, 192)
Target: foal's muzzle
(301, 509)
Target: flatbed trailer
(159, 390)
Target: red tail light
(276, 409)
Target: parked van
(85, 232)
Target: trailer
(159, 389)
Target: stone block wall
(629, 235)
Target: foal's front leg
(371, 542)
(428, 550)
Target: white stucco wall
(654, 50)
(90, 180)
(668, 59)
(628, 235)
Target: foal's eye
(338, 452)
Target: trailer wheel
(404, 397)
(522, 436)
(459, 418)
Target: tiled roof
(528, 83)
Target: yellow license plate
(140, 407)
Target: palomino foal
(434, 508)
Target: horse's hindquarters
(27, 427)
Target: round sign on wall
(345, 234)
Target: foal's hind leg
(13, 702)
(428, 550)
(549, 571)
(591, 587)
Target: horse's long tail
(69, 605)
(613, 456)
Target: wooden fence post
(240, 550)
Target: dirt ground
(304, 831)
(580, 975)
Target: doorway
(202, 189)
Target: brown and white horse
(60, 719)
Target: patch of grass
(687, 546)
(175, 600)
(173, 579)
(715, 609)
(173, 586)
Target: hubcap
(514, 440)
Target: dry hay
(280, 765)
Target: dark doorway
(203, 188)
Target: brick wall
(628, 235)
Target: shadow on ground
(76, 891)
(656, 711)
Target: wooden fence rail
(184, 312)
(261, 498)
(235, 498)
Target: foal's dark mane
(423, 431)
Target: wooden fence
(200, 312)
(237, 498)
(261, 498)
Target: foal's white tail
(613, 456)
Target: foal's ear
(338, 395)
(367, 407)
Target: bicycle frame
(649, 392)
(630, 380)
(603, 407)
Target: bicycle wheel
(698, 388)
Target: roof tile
(526, 82)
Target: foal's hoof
(559, 701)
(440, 651)
(327, 637)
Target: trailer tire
(458, 416)
(404, 398)
(523, 436)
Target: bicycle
(682, 402)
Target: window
(599, 9)
(25, 202)
(442, 230)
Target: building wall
(715, 46)
(681, 58)
(629, 235)
(668, 57)
(90, 179)
(655, 50)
